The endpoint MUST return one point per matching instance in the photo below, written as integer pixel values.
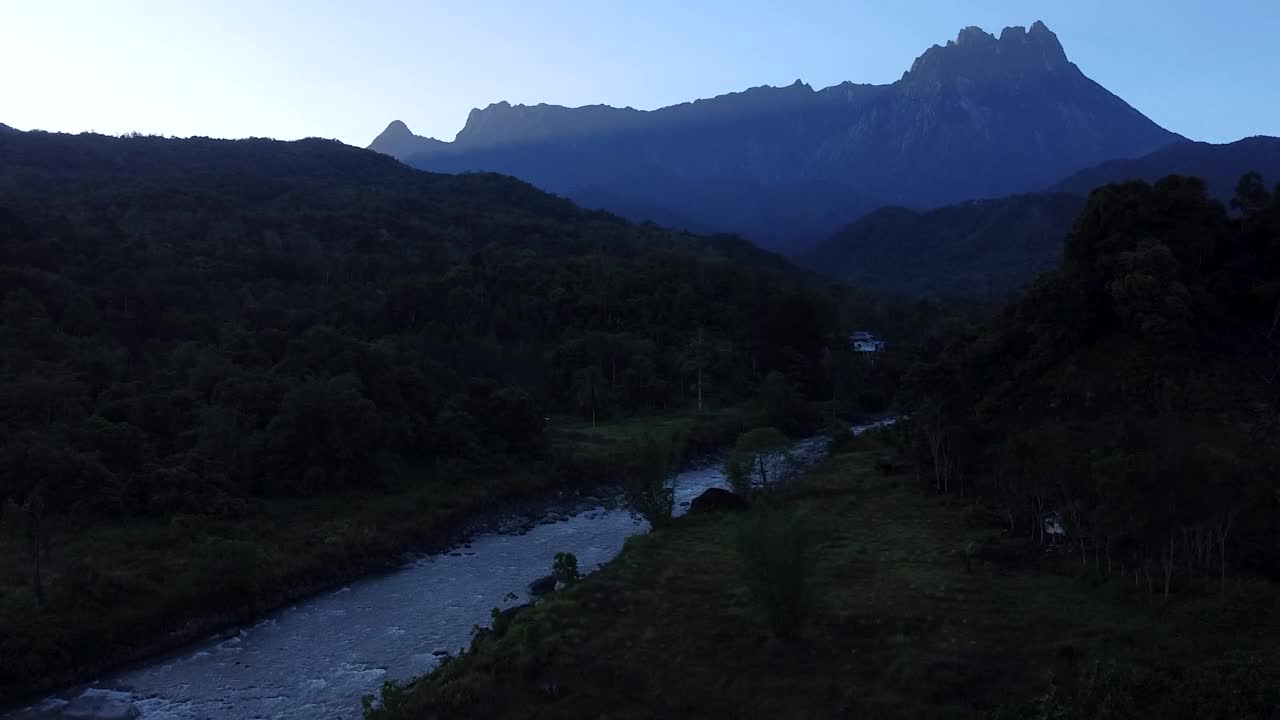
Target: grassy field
(600, 448)
(119, 592)
(906, 626)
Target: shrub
(759, 454)
(648, 489)
(774, 549)
(784, 406)
(565, 568)
(233, 572)
(839, 434)
(1237, 685)
(393, 697)
(739, 475)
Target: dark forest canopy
(1220, 166)
(979, 250)
(1133, 391)
(987, 249)
(188, 322)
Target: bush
(647, 489)
(839, 433)
(393, 697)
(784, 406)
(1237, 686)
(738, 473)
(233, 573)
(774, 549)
(759, 455)
(565, 568)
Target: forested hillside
(1133, 392)
(194, 320)
(981, 250)
(1220, 166)
(1080, 522)
(234, 370)
(987, 249)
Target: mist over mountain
(982, 116)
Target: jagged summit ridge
(1038, 32)
(975, 50)
(982, 116)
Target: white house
(866, 342)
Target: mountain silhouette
(980, 117)
(1219, 165)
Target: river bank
(315, 659)
(924, 609)
(119, 595)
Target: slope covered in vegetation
(235, 368)
(1131, 392)
(1220, 166)
(981, 250)
(920, 609)
(262, 317)
(990, 249)
(1077, 518)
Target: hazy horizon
(294, 69)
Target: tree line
(1130, 396)
(190, 324)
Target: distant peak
(974, 35)
(397, 127)
(398, 140)
(1039, 34)
(975, 50)
(1016, 32)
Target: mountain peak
(976, 53)
(973, 36)
(1038, 35)
(397, 127)
(984, 115)
(399, 141)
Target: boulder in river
(719, 500)
(542, 585)
(95, 704)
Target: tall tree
(1251, 194)
(25, 524)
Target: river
(316, 658)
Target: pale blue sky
(295, 68)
